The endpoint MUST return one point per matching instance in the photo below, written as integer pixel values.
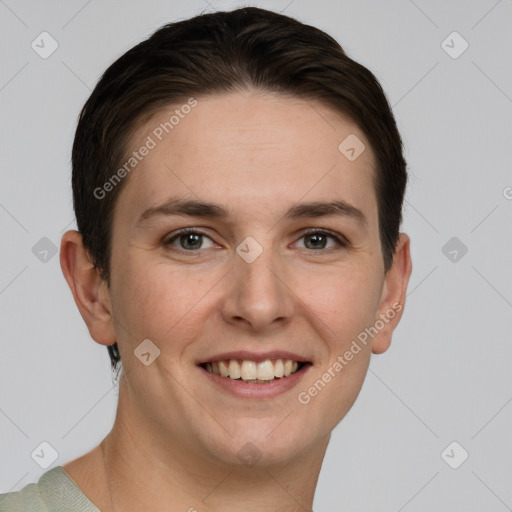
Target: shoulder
(28, 499)
(55, 491)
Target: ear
(90, 292)
(392, 300)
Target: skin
(176, 436)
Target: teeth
(266, 370)
(234, 369)
(250, 371)
(224, 369)
(279, 368)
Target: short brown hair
(221, 52)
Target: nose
(259, 298)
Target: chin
(260, 442)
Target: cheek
(158, 301)
(347, 304)
(345, 300)
(344, 307)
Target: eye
(319, 239)
(189, 240)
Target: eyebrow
(195, 208)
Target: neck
(146, 471)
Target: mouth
(255, 372)
(255, 375)
(252, 371)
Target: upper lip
(244, 355)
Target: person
(238, 183)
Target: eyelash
(339, 239)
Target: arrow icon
(146, 352)
(351, 147)
(249, 252)
(249, 454)
(454, 45)
(454, 249)
(454, 455)
(44, 45)
(44, 454)
(44, 250)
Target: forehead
(239, 147)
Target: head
(281, 156)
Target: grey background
(447, 376)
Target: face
(281, 262)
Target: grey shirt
(54, 492)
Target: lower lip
(252, 390)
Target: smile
(253, 372)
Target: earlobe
(393, 295)
(89, 290)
